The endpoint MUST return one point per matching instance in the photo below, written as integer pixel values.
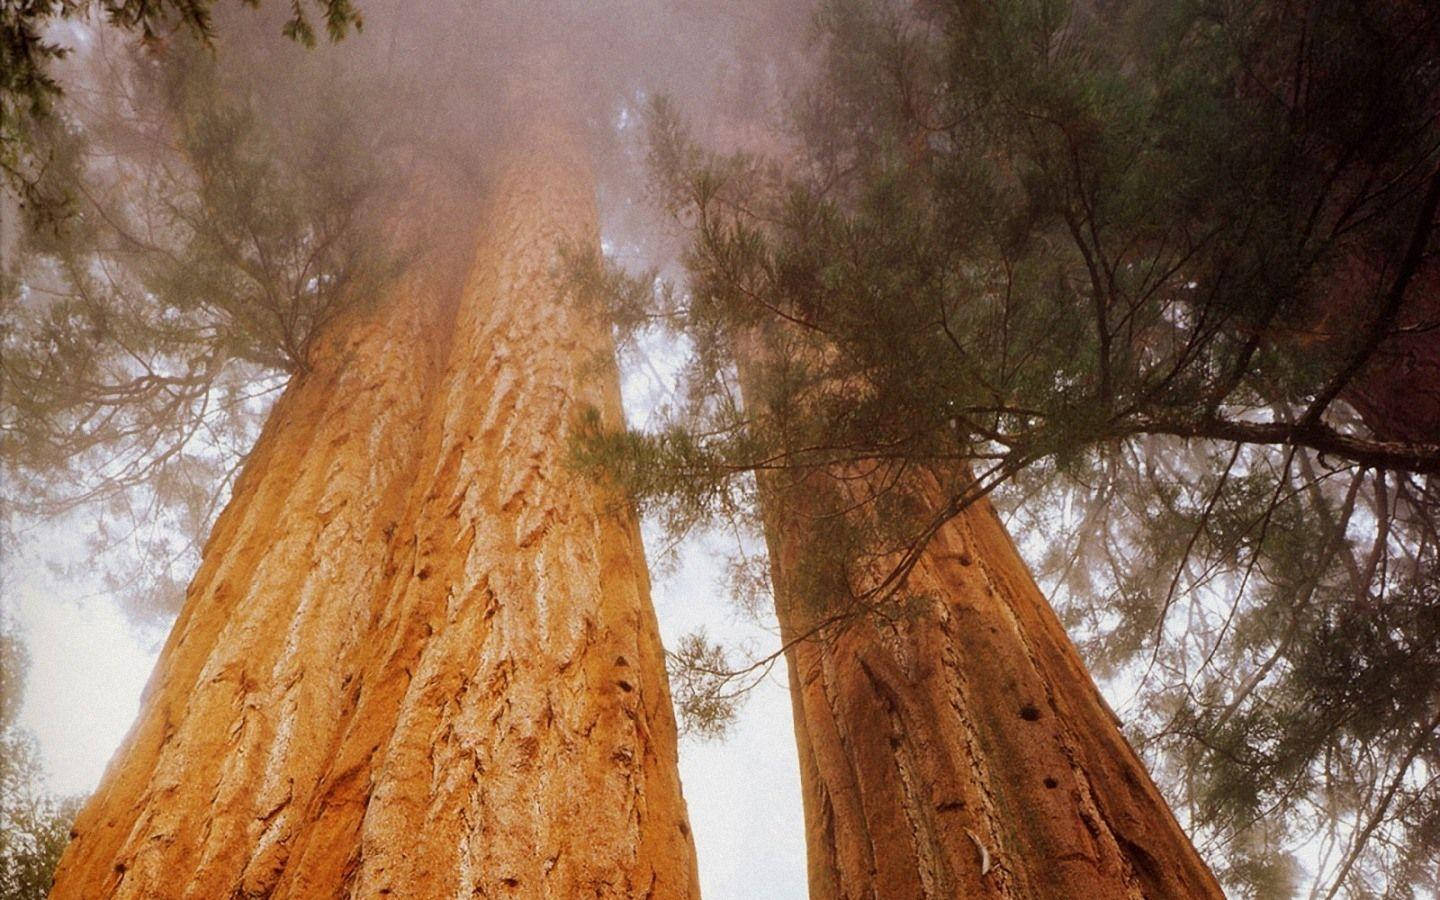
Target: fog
(400, 119)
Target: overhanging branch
(1422, 459)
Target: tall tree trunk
(951, 741)
(955, 746)
(419, 657)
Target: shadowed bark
(957, 747)
(951, 741)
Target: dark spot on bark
(965, 559)
(423, 573)
(120, 867)
(950, 806)
(625, 686)
(685, 829)
(74, 834)
(1029, 713)
(1051, 783)
(621, 661)
(510, 882)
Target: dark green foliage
(147, 331)
(1135, 263)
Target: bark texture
(958, 747)
(419, 658)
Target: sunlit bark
(419, 658)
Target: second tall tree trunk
(951, 741)
(958, 748)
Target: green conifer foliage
(30, 50)
(1158, 274)
(205, 242)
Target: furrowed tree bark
(951, 742)
(957, 747)
(419, 658)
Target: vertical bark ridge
(545, 599)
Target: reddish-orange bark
(419, 658)
(956, 746)
(951, 741)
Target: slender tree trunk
(419, 658)
(951, 743)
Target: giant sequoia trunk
(955, 746)
(951, 741)
(419, 658)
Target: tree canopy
(147, 328)
(1161, 277)
(29, 53)
(1164, 277)
(209, 203)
